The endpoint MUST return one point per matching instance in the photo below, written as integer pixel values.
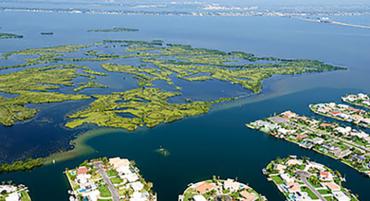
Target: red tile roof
(205, 187)
(82, 170)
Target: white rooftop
(199, 198)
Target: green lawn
(104, 191)
(324, 191)
(310, 193)
(277, 179)
(116, 180)
(112, 173)
(25, 196)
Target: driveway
(111, 187)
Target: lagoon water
(216, 143)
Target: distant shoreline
(199, 13)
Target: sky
(232, 2)
(243, 3)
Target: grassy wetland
(157, 96)
(35, 84)
(157, 61)
(41, 55)
(32, 86)
(139, 107)
(87, 85)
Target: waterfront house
(301, 136)
(118, 162)
(326, 176)
(139, 196)
(132, 177)
(82, 170)
(14, 196)
(205, 187)
(289, 114)
(248, 196)
(231, 185)
(293, 187)
(137, 186)
(264, 124)
(332, 186)
(278, 120)
(317, 140)
(341, 153)
(340, 196)
(280, 168)
(287, 179)
(199, 198)
(291, 162)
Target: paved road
(112, 189)
(303, 175)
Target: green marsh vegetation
(134, 108)
(157, 61)
(9, 35)
(145, 76)
(90, 84)
(199, 64)
(21, 165)
(43, 55)
(31, 86)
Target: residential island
(302, 179)
(343, 112)
(12, 192)
(345, 144)
(109, 179)
(362, 100)
(219, 189)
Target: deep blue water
(217, 143)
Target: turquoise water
(217, 143)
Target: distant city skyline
(226, 2)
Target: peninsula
(343, 112)
(219, 189)
(345, 144)
(12, 192)
(302, 179)
(362, 100)
(109, 179)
